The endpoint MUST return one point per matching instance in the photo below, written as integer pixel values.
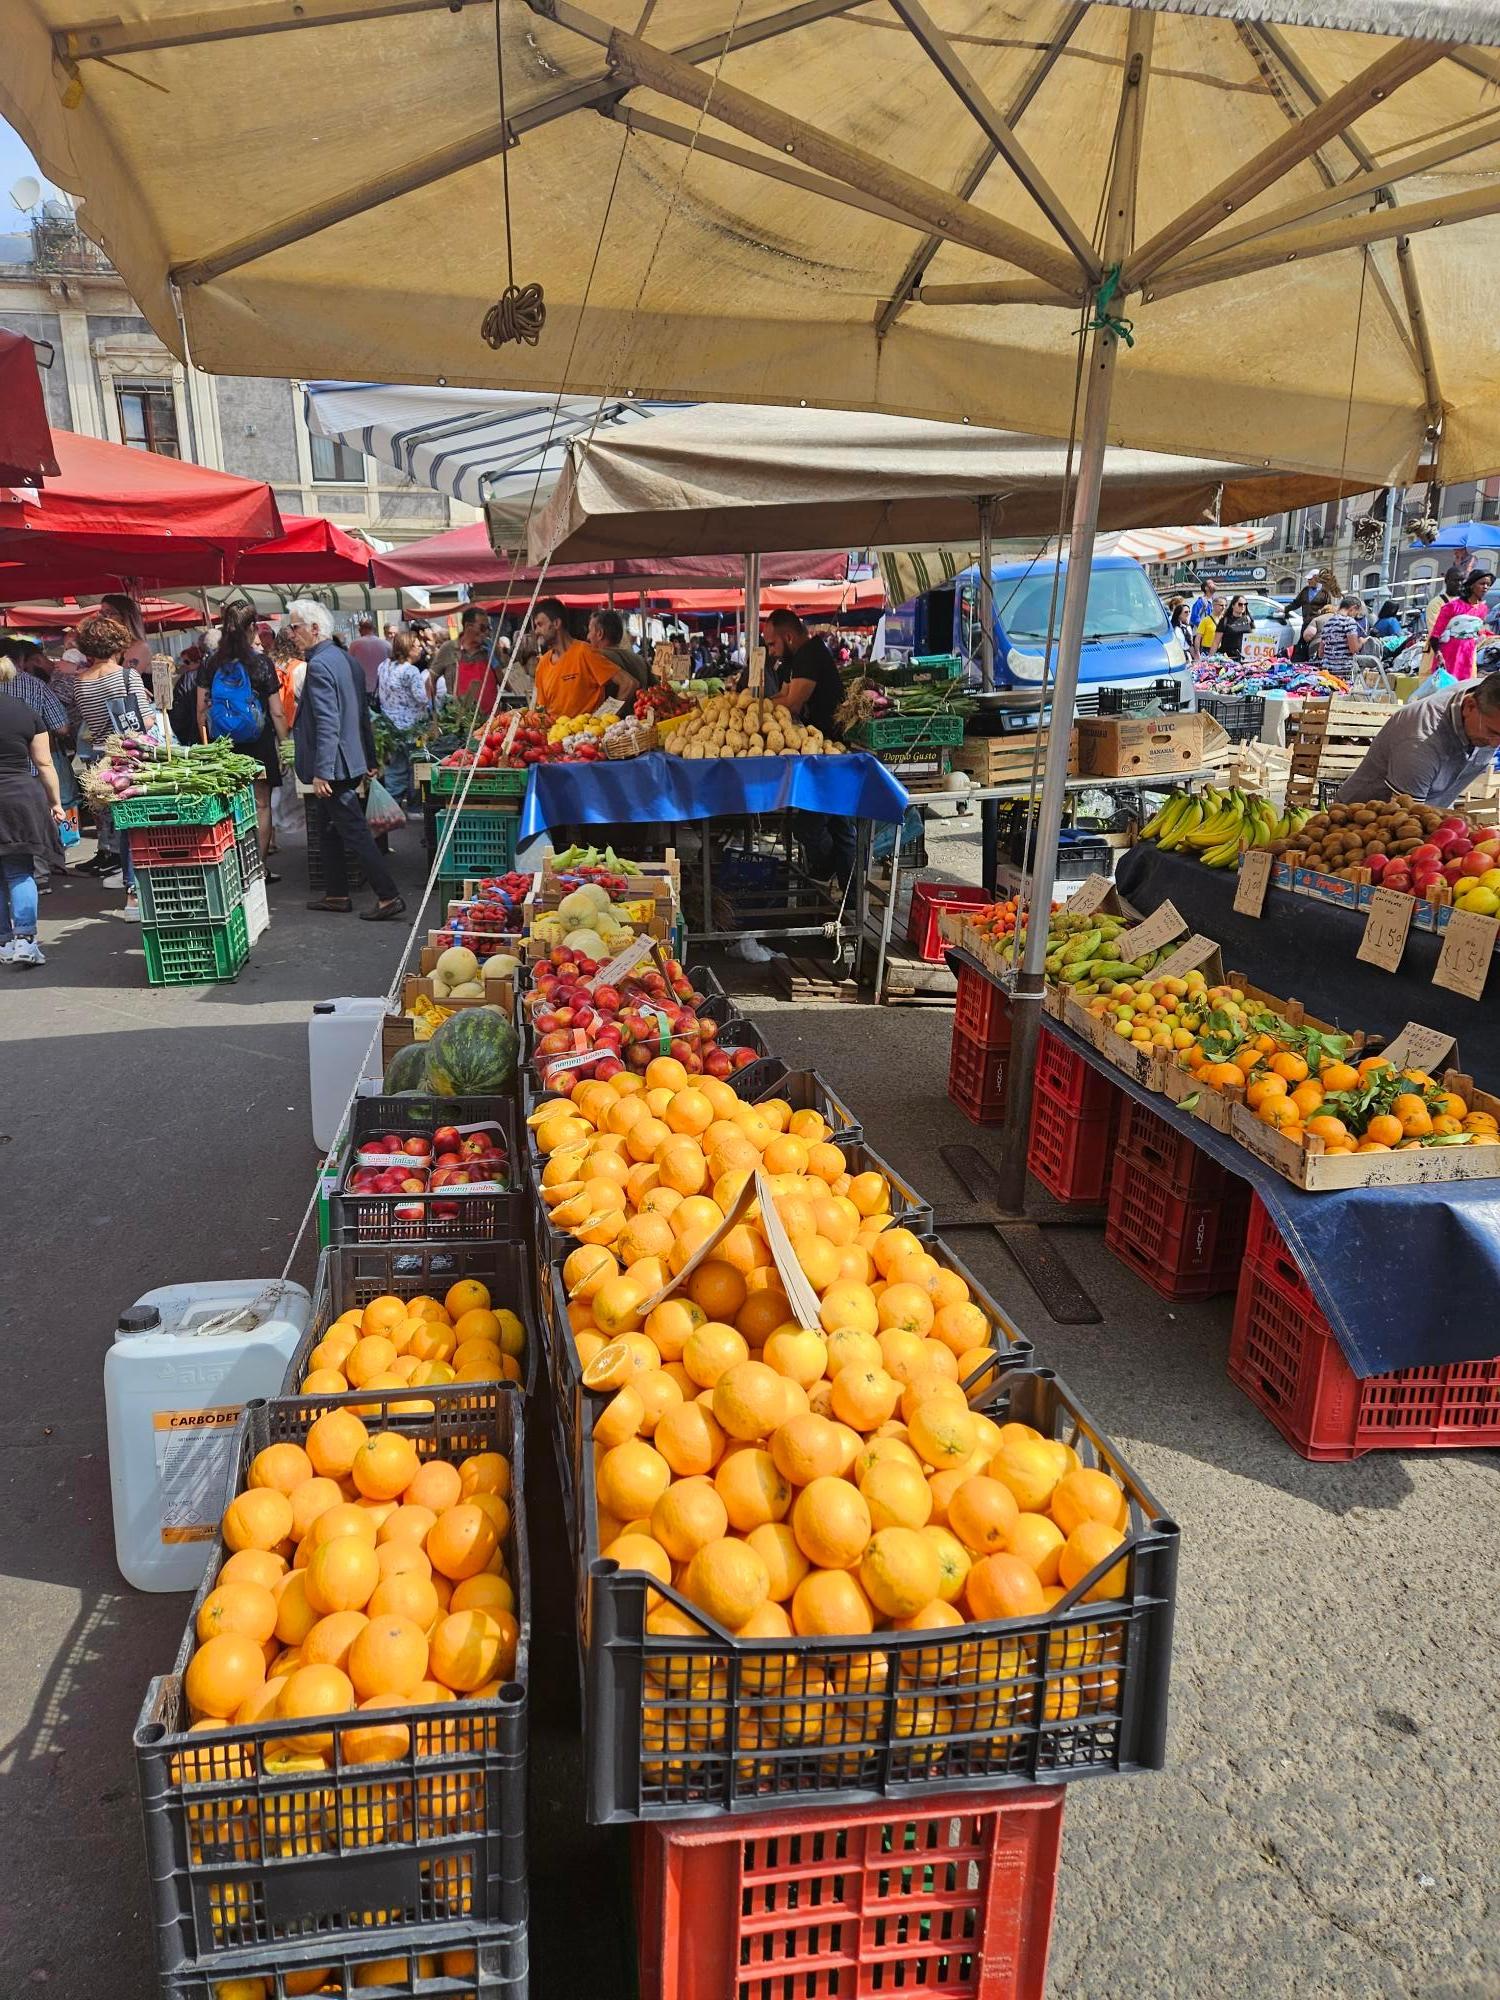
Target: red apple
(476, 1145)
(1454, 823)
(408, 1211)
(1453, 870)
(708, 1031)
(608, 1036)
(681, 1049)
(413, 1184)
(1397, 876)
(1428, 851)
(718, 1063)
(417, 1146)
(608, 1066)
(1475, 864)
(446, 1138)
(607, 999)
(553, 1044)
(1377, 865)
(743, 1058)
(1459, 846)
(638, 1056)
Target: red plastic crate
(1071, 1078)
(976, 1079)
(981, 1010)
(1265, 1245)
(1182, 1247)
(955, 1900)
(1072, 1152)
(1284, 1355)
(928, 901)
(181, 846)
(1172, 1156)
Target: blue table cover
(1406, 1277)
(660, 787)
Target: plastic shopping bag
(381, 810)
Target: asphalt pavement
(1326, 1824)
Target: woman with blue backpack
(239, 696)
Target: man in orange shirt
(571, 677)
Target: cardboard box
(1307, 1166)
(398, 1029)
(1114, 746)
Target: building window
(148, 417)
(336, 462)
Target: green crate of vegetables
(145, 783)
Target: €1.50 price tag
(1386, 929)
(1256, 865)
(1468, 946)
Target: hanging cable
(520, 312)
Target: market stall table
(1366, 1252)
(1305, 950)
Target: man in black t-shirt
(811, 687)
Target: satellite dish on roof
(26, 192)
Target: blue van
(1127, 640)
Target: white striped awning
(910, 572)
(494, 447)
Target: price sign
(1468, 946)
(1188, 957)
(1255, 878)
(510, 734)
(801, 1297)
(1421, 1048)
(1386, 929)
(1090, 896)
(624, 961)
(610, 707)
(756, 681)
(1158, 929)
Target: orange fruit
(223, 1673)
(372, 1743)
(1327, 1127)
(328, 1643)
(385, 1465)
(461, 1542)
(982, 1512)
(466, 1295)
(831, 1521)
(406, 1594)
(954, 1562)
(341, 1575)
(688, 1516)
(727, 1580)
(1037, 1540)
(669, 1324)
(807, 1448)
(390, 1655)
(1289, 1064)
(257, 1519)
(776, 1545)
(383, 1313)
(718, 1288)
(467, 1648)
(254, 1566)
(311, 1691)
(1089, 1543)
(482, 1593)
(408, 1523)
(941, 1430)
(689, 1112)
(763, 1313)
(621, 1418)
(899, 1571)
(333, 1442)
(897, 1495)
(797, 1353)
(1384, 1129)
(846, 1304)
(1030, 1468)
(246, 1608)
(907, 1307)
(1416, 1119)
(1086, 1495)
(864, 1398)
(829, 1602)
(752, 1489)
(960, 1326)
(1264, 1087)
(1338, 1076)
(712, 1348)
(436, 1484)
(283, 1466)
(748, 1401)
(689, 1438)
(1003, 1586)
(346, 1518)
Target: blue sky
(15, 161)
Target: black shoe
(384, 913)
(340, 906)
(271, 875)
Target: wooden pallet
(917, 982)
(812, 983)
(1008, 760)
(1333, 736)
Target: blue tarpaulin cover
(662, 787)
(1406, 1277)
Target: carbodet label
(193, 1453)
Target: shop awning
(308, 550)
(156, 612)
(723, 477)
(26, 450)
(465, 556)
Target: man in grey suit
(335, 748)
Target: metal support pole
(1027, 1000)
(1395, 498)
(987, 593)
(752, 615)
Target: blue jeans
(397, 778)
(17, 897)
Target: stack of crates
(315, 812)
(195, 906)
(979, 1058)
(1176, 1217)
(1075, 1116)
(481, 841)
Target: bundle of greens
(136, 767)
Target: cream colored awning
(875, 204)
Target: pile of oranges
(390, 1975)
(395, 1343)
(362, 1578)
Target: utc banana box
(1112, 746)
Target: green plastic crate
(195, 954)
(446, 783)
(909, 732)
(203, 810)
(483, 843)
(191, 892)
(242, 805)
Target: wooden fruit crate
(1333, 735)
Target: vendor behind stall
(1434, 748)
(572, 677)
(810, 686)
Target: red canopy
(464, 555)
(114, 513)
(26, 453)
(155, 612)
(309, 550)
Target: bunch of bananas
(1219, 826)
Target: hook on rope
(1104, 321)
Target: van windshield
(1121, 605)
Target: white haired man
(335, 751)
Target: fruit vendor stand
(1310, 948)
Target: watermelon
(473, 1054)
(406, 1071)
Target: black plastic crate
(482, 1217)
(1163, 695)
(252, 865)
(353, 1274)
(803, 1089)
(315, 814)
(1078, 1691)
(487, 1965)
(241, 1862)
(1240, 716)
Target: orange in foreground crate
(955, 1898)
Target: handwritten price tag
(1090, 896)
(1417, 1047)
(1468, 946)
(510, 734)
(1254, 880)
(1188, 957)
(1386, 929)
(1158, 929)
(624, 961)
